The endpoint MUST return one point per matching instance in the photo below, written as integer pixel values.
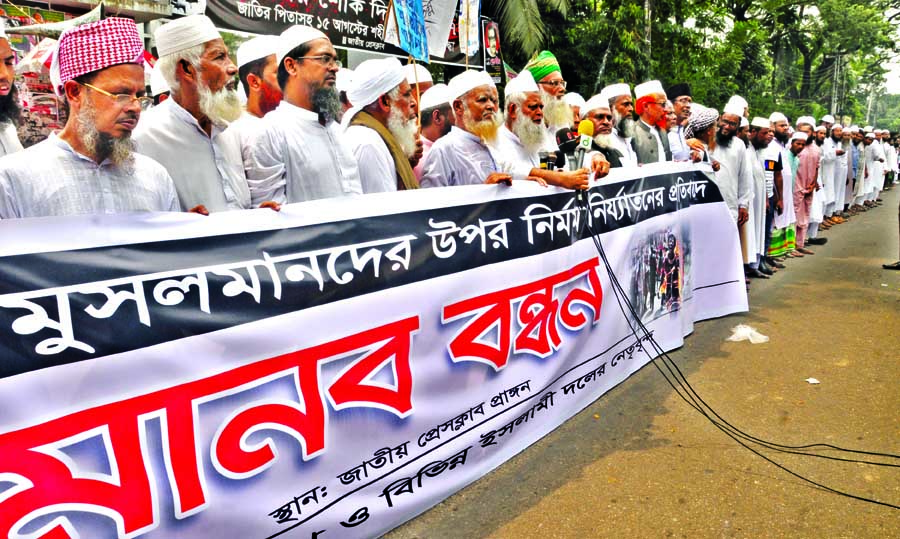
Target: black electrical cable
(693, 399)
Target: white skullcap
(821, 128)
(184, 33)
(808, 120)
(761, 122)
(158, 84)
(853, 129)
(467, 81)
(800, 135)
(523, 83)
(744, 122)
(737, 100)
(343, 80)
(374, 78)
(437, 95)
(777, 117)
(412, 72)
(295, 36)
(574, 100)
(828, 119)
(867, 128)
(595, 102)
(256, 48)
(3, 29)
(870, 135)
(647, 88)
(733, 108)
(615, 90)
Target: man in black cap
(680, 94)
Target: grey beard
(625, 127)
(556, 111)
(530, 134)
(222, 107)
(119, 151)
(404, 131)
(327, 103)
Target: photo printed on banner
(660, 279)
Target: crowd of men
(310, 129)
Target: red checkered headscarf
(98, 45)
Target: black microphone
(567, 140)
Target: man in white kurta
(298, 153)
(621, 103)
(89, 167)
(187, 132)
(9, 106)
(757, 223)
(734, 177)
(840, 172)
(827, 167)
(381, 126)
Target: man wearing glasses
(90, 166)
(297, 153)
(557, 113)
(187, 133)
(651, 145)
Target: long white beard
(119, 151)
(486, 129)
(222, 107)
(556, 111)
(530, 134)
(404, 131)
(604, 141)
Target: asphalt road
(640, 463)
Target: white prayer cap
(295, 36)
(737, 100)
(158, 84)
(808, 120)
(596, 102)
(467, 81)
(870, 135)
(733, 108)
(800, 135)
(184, 33)
(867, 128)
(853, 129)
(615, 90)
(374, 78)
(647, 88)
(344, 80)
(821, 128)
(523, 83)
(414, 72)
(256, 48)
(777, 117)
(828, 119)
(437, 95)
(761, 122)
(744, 122)
(3, 29)
(574, 100)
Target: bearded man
(517, 148)
(382, 128)
(734, 177)
(598, 111)
(621, 103)
(298, 153)
(784, 233)
(680, 94)
(546, 72)
(9, 98)
(187, 132)
(651, 144)
(90, 166)
(463, 157)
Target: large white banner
(334, 369)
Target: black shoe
(774, 263)
(764, 269)
(755, 274)
(817, 241)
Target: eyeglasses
(555, 83)
(660, 103)
(325, 59)
(123, 100)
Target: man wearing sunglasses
(90, 166)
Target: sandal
(894, 266)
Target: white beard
(530, 134)
(404, 131)
(485, 129)
(556, 111)
(222, 107)
(604, 141)
(626, 128)
(119, 151)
